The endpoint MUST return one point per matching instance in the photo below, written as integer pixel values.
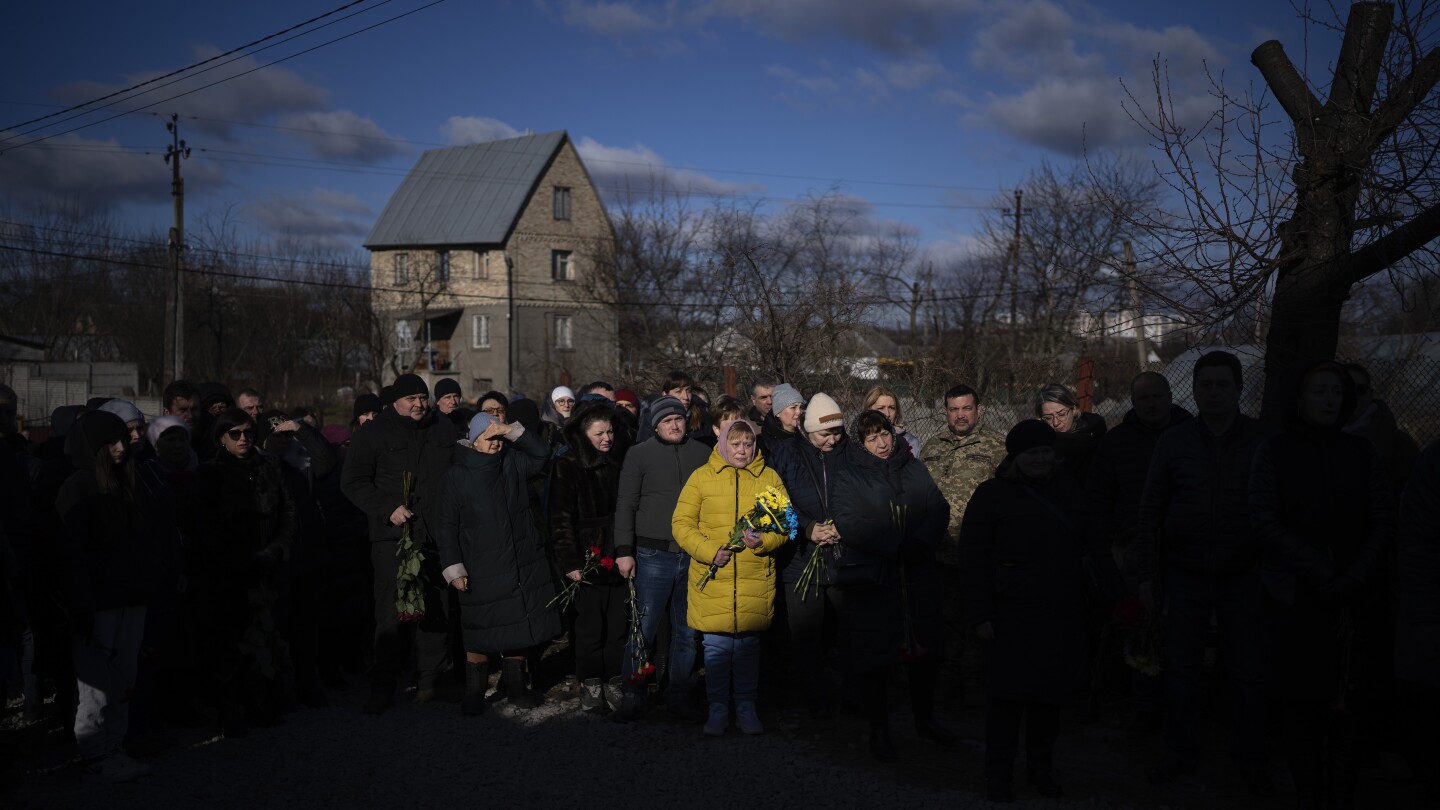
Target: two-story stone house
(487, 266)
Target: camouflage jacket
(958, 465)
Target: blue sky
(924, 109)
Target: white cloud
(610, 19)
(815, 85)
(344, 135)
(638, 171)
(1063, 114)
(245, 98)
(895, 26)
(93, 174)
(461, 130)
(321, 217)
(1060, 74)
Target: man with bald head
(1116, 479)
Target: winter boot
(747, 719)
(718, 721)
(517, 691)
(592, 695)
(614, 698)
(425, 687)
(477, 678)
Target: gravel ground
(426, 755)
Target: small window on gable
(562, 202)
(402, 268)
(562, 266)
(442, 266)
(481, 266)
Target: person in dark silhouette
(1194, 538)
(1323, 510)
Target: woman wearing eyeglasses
(1077, 434)
(247, 523)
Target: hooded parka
(483, 523)
(741, 597)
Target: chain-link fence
(1409, 386)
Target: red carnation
(1129, 610)
(607, 563)
(595, 551)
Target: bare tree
(1283, 227)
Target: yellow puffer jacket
(741, 597)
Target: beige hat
(823, 414)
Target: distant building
(487, 266)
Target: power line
(228, 78)
(572, 301)
(139, 85)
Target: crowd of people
(221, 562)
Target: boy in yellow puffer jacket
(738, 604)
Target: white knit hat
(823, 414)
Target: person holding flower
(494, 556)
(890, 516)
(584, 487)
(737, 604)
(809, 468)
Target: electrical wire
(571, 301)
(185, 69)
(386, 21)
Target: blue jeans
(732, 665)
(660, 585)
(1238, 602)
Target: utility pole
(1015, 281)
(1141, 356)
(174, 361)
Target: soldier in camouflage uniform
(959, 458)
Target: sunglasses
(237, 433)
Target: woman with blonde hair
(885, 401)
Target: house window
(403, 336)
(561, 328)
(479, 331)
(402, 268)
(562, 202)
(561, 267)
(481, 268)
(442, 266)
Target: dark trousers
(806, 650)
(303, 593)
(1002, 736)
(394, 637)
(1323, 748)
(1238, 603)
(600, 630)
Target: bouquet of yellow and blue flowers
(772, 513)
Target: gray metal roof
(465, 195)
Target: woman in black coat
(890, 516)
(114, 568)
(1022, 577)
(1323, 510)
(495, 557)
(584, 486)
(1077, 433)
(247, 528)
(809, 466)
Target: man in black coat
(1116, 479)
(1194, 537)
(405, 438)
